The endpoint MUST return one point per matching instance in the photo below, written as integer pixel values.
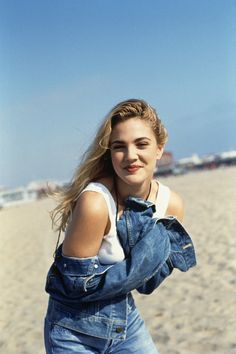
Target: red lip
(132, 168)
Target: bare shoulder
(90, 204)
(176, 206)
(87, 227)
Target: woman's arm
(87, 228)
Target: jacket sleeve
(67, 278)
(178, 237)
(182, 255)
(164, 250)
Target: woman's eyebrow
(136, 140)
(142, 138)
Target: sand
(189, 313)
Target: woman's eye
(117, 147)
(142, 145)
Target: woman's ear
(160, 150)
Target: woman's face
(134, 151)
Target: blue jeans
(61, 340)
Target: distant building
(209, 161)
(228, 157)
(10, 197)
(34, 191)
(189, 162)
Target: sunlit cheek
(117, 156)
(116, 159)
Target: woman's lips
(133, 168)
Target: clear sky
(65, 63)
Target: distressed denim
(91, 298)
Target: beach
(190, 313)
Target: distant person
(117, 238)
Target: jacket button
(119, 329)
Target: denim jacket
(136, 220)
(92, 298)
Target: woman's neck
(124, 190)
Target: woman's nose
(131, 153)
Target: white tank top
(111, 250)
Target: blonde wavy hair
(96, 162)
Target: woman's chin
(133, 179)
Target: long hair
(96, 162)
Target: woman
(91, 309)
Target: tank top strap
(162, 200)
(100, 188)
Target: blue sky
(65, 63)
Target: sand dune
(191, 312)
